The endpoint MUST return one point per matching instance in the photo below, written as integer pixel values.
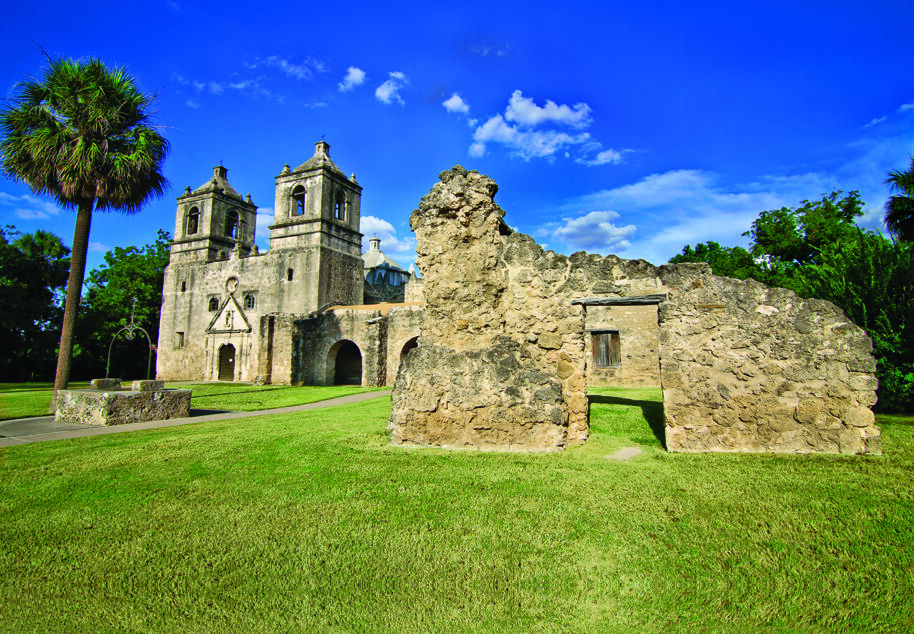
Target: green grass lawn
(21, 400)
(311, 522)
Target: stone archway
(409, 345)
(227, 362)
(344, 363)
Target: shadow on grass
(651, 410)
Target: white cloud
(262, 227)
(906, 106)
(98, 247)
(303, 70)
(389, 91)
(354, 77)
(484, 50)
(192, 103)
(594, 231)
(28, 207)
(455, 103)
(610, 156)
(391, 245)
(518, 130)
(681, 207)
(524, 111)
(876, 121)
(525, 143)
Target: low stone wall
(747, 368)
(111, 405)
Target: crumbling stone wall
(750, 368)
(501, 362)
(501, 357)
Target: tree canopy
(82, 135)
(899, 209)
(131, 273)
(33, 269)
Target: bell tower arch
(212, 220)
(316, 234)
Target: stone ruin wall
(500, 363)
(747, 368)
(501, 359)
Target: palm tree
(82, 136)
(899, 210)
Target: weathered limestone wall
(317, 340)
(113, 405)
(755, 369)
(404, 324)
(501, 359)
(503, 352)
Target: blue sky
(627, 128)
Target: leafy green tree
(127, 274)
(899, 209)
(796, 236)
(82, 135)
(734, 262)
(33, 268)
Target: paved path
(40, 428)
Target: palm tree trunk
(74, 292)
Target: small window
(193, 221)
(289, 274)
(213, 304)
(298, 201)
(231, 225)
(339, 205)
(179, 340)
(249, 301)
(183, 286)
(607, 352)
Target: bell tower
(316, 231)
(212, 220)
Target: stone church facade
(302, 312)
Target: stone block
(147, 386)
(105, 384)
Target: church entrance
(346, 360)
(227, 362)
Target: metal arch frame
(131, 329)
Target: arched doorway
(345, 359)
(227, 362)
(409, 345)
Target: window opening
(298, 201)
(179, 340)
(607, 351)
(193, 221)
(249, 301)
(183, 286)
(231, 225)
(339, 207)
(213, 304)
(289, 274)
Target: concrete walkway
(20, 431)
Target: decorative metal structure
(129, 333)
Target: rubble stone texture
(501, 361)
(112, 405)
(747, 368)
